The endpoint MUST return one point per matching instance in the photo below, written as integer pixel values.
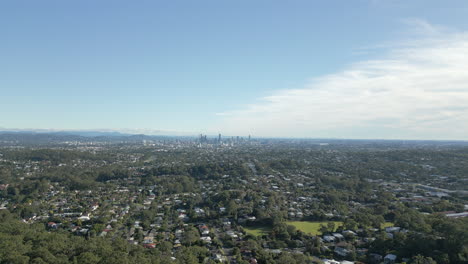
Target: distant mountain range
(42, 137)
(47, 137)
(68, 133)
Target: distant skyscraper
(219, 138)
(203, 138)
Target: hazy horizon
(165, 133)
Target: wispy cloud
(417, 89)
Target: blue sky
(214, 66)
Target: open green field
(305, 226)
(257, 230)
(309, 227)
(386, 224)
(312, 227)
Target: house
(349, 233)
(392, 229)
(179, 232)
(94, 207)
(84, 217)
(390, 259)
(232, 234)
(199, 211)
(150, 245)
(338, 236)
(206, 239)
(177, 243)
(218, 257)
(330, 261)
(375, 258)
(457, 215)
(343, 252)
(52, 225)
(182, 215)
(204, 230)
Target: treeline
(22, 243)
(54, 156)
(442, 239)
(202, 171)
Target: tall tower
(219, 138)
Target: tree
(190, 236)
(186, 256)
(350, 224)
(291, 230)
(165, 246)
(285, 258)
(88, 258)
(281, 231)
(232, 209)
(422, 260)
(323, 229)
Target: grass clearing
(310, 227)
(257, 230)
(386, 224)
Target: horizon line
(169, 133)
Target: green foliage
(23, 243)
(422, 260)
(190, 236)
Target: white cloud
(418, 90)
